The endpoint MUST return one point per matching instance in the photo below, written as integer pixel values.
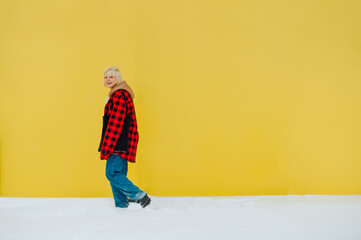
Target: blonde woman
(119, 140)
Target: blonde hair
(115, 72)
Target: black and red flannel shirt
(119, 104)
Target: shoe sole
(146, 203)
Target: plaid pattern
(119, 104)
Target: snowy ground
(289, 217)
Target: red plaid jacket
(119, 104)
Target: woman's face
(109, 79)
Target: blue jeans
(116, 172)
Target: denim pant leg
(116, 172)
(120, 199)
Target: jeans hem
(140, 196)
(123, 206)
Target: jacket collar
(122, 85)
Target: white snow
(288, 217)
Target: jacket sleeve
(114, 127)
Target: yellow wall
(232, 97)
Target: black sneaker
(131, 200)
(145, 201)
